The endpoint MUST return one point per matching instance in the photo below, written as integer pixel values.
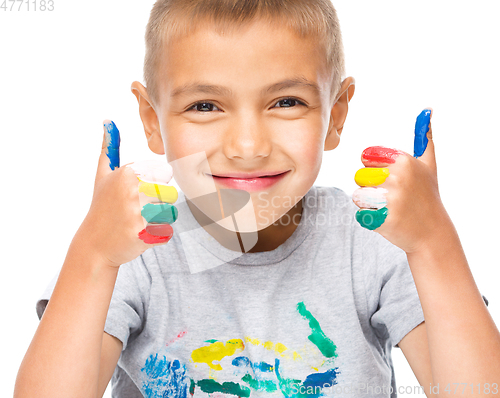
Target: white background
(64, 72)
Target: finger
(164, 193)
(156, 233)
(422, 126)
(109, 158)
(112, 136)
(370, 198)
(380, 156)
(370, 218)
(161, 213)
(428, 156)
(159, 217)
(154, 176)
(153, 171)
(371, 176)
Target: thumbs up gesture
(399, 195)
(131, 207)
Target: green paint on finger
(370, 218)
(161, 213)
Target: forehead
(247, 59)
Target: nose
(247, 139)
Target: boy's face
(254, 102)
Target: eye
(203, 107)
(289, 103)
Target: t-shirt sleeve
(128, 304)
(393, 303)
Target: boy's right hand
(114, 227)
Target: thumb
(424, 145)
(110, 150)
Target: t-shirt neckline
(309, 212)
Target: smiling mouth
(249, 182)
(244, 176)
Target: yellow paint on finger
(371, 176)
(164, 193)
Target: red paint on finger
(156, 233)
(380, 154)
(162, 230)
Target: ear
(339, 114)
(149, 119)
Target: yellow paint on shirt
(216, 351)
(268, 345)
(280, 348)
(252, 341)
(371, 176)
(165, 193)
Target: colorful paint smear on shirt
(279, 348)
(311, 387)
(257, 376)
(179, 336)
(164, 378)
(318, 338)
(216, 351)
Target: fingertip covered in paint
(370, 218)
(156, 233)
(421, 130)
(377, 155)
(112, 137)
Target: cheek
(305, 146)
(184, 140)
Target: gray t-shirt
(316, 316)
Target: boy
(315, 306)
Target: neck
(268, 238)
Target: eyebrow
(199, 87)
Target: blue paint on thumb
(113, 145)
(421, 130)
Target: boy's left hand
(399, 197)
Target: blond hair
(307, 18)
